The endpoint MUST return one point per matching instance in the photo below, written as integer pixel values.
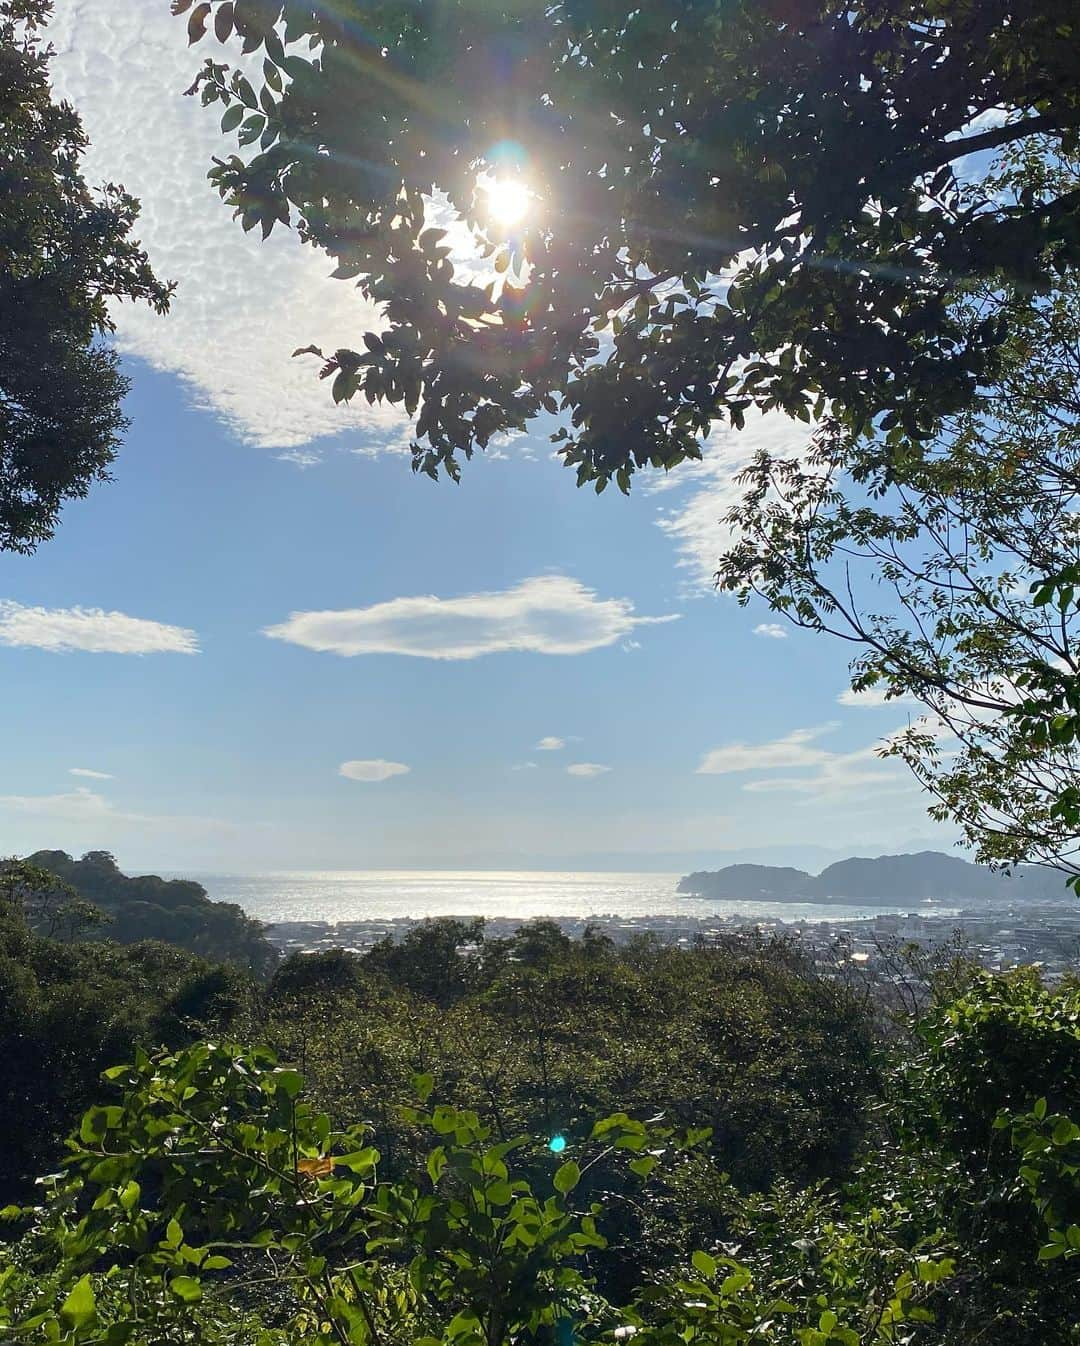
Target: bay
(388, 895)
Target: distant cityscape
(1028, 917)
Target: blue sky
(228, 657)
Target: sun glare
(508, 199)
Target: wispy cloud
(839, 773)
(824, 773)
(873, 698)
(79, 805)
(771, 631)
(63, 630)
(374, 770)
(549, 743)
(707, 490)
(550, 614)
(91, 775)
(524, 766)
(794, 749)
(242, 305)
(301, 458)
(587, 769)
(85, 808)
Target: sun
(508, 200)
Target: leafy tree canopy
(144, 906)
(66, 253)
(68, 1010)
(950, 566)
(754, 203)
(211, 1199)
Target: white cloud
(872, 698)
(792, 750)
(550, 614)
(524, 766)
(586, 769)
(301, 458)
(243, 305)
(549, 743)
(825, 773)
(83, 807)
(838, 774)
(79, 805)
(62, 630)
(85, 771)
(710, 488)
(375, 770)
(771, 631)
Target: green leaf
(567, 1178)
(80, 1306)
(130, 1194)
(704, 1264)
(436, 1163)
(360, 1161)
(290, 1082)
(444, 1120)
(187, 1288)
(423, 1086)
(233, 117)
(643, 1166)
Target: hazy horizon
(811, 858)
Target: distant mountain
(889, 878)
(767, 883)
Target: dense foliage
(937, 563)
(69, 1010)
(145, 907)
(209, 1198)
(767, 1172)
(66, 254)
(736, 205)
(543, 1035)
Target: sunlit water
(384, 895)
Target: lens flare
(557, 1144)
(507, 199)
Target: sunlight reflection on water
(340, 895)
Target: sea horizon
(336, 896)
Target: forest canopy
(717, 1145)
(133, 908)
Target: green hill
(177, 911)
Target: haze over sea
(359, 895)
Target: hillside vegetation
(538, 1140)
(144, 907)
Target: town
(996, 937)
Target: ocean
(386, 895)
